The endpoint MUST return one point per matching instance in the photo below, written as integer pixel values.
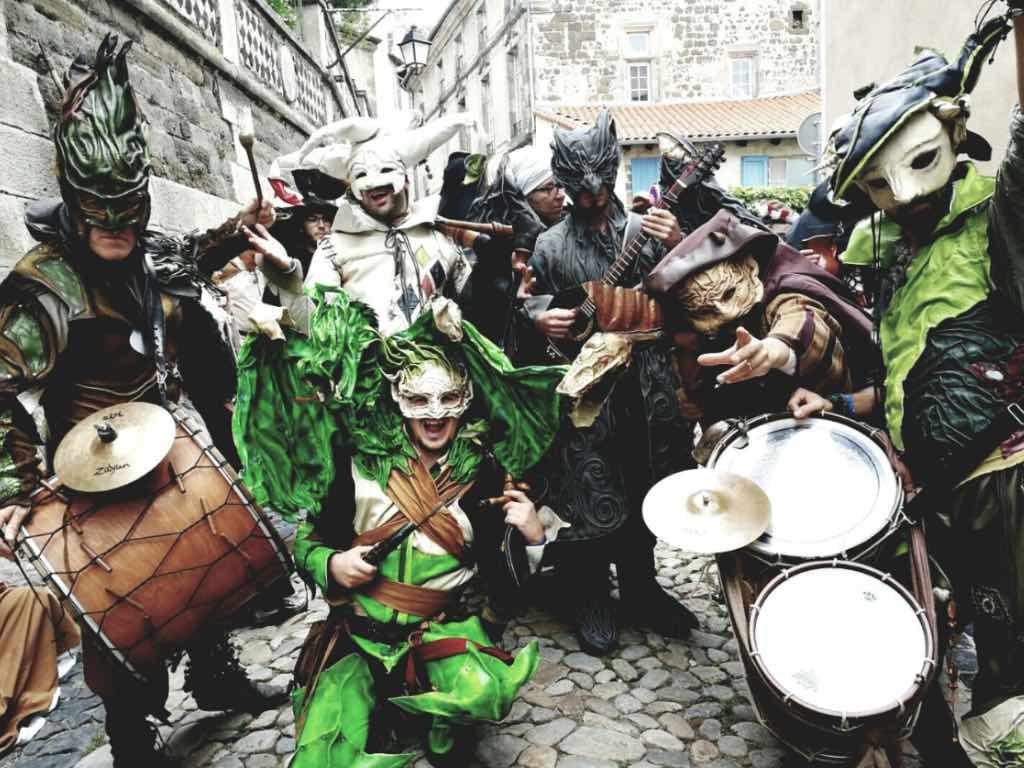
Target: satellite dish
(809, 135)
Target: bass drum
(832, 488)
(146, 567)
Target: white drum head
(831, 486)
(839, 640)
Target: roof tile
(736, 119)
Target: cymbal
(114, 447)
(707, 511)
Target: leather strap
(417, 494)
(420, 653)
(333, 629)
(407, 598)
(446, 490)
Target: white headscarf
(529, 167)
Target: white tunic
(396, 271)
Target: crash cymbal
(707, 511)
(114, 447)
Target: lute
(581, 297)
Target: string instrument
(585, 298)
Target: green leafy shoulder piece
(45, 265)
(305, 399)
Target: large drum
(147, 566)
(842, 644)
(833, 491)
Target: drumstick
(247, 138)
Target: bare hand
(269, 247)
(521, 513)
(349, 569)
(555, 323)
(750, 357)
(806, 403)
(11, 518)
(662, 226)
(252, 214)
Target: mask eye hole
(924, 160)
(729, 294)
(450, 398)
(387, 169)
(418, 401)
(361, 175)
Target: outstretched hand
(268, 246)
(750, 357)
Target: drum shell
(147, 567)
(866, 544)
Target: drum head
(831, 486)
(839, 640)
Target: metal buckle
(1017, 412)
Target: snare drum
(842, 644)
(148, 566)
(832, 488)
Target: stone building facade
(201, 69)
(508, 61)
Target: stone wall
(579, 47)
(201, 70)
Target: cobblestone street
(654, 702)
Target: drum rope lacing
(234, 488)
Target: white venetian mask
(432, 391)
(376, 164)
(915, 162)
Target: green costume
(319, 432)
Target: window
(790, 172)
(440, 79)
(458, 57)
(644, 173)
(742, 77)
(514, 119)
(798, 14)
(638, 44)
(754, 171)
(486, 123)
(638, 53)
(639, 81)
(481, 27)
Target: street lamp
(414, 50)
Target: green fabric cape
(301, 399)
